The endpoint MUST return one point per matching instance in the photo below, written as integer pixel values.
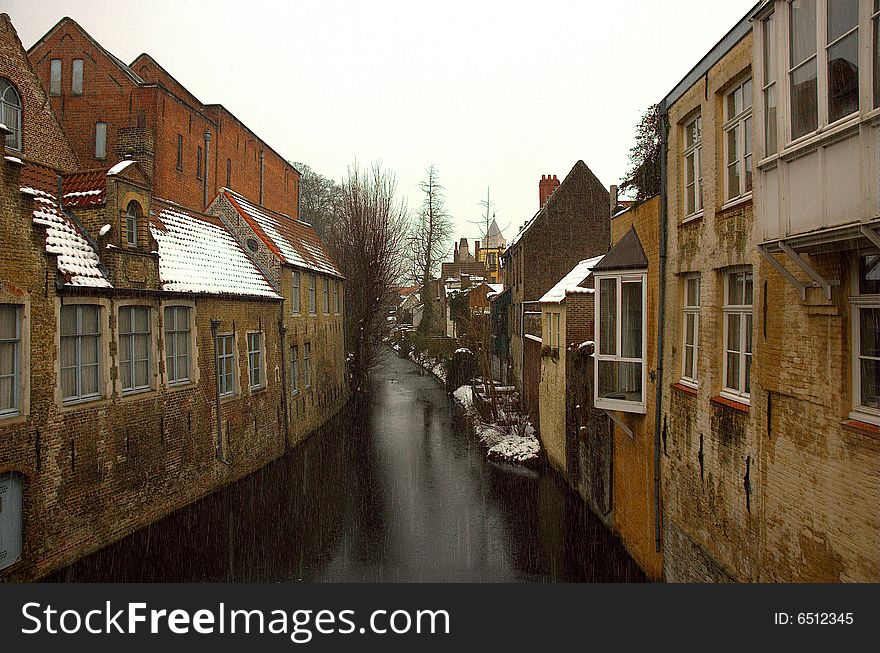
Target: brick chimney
(546, 186)
(464, 250)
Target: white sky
(494, 94)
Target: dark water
(395, 492)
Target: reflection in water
(391, 491)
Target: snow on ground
(501, 443)
(433, 365)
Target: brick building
(144, 344)
(571, 225)
(189, 150)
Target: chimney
(477, 251)
(455, 256)
(614, 198)
(546, 186)
(464, 249)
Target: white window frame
(740, 126)
(770, 88)
(858, 302)
(294, 369)
(296, 292)
(172, 339)
(743, 311)
(256, 359)
(17, 342)
(226, 360)
(11, 107)
(690, 310)
(78, 336)
(620, 277)
(307, 365)
(132, 336)
(695, 149)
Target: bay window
(135, 337)
(738, 293)
(866, 340)
(80, 352)
(690, 350)
(738, 140)
(620, 364)
(693, 173)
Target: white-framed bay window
(693, 167)
(691, 330)
(738, 140)
(737, 364)
(621, 332)
(865, 319)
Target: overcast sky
(494, 94)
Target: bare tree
(320, 200)
(367, 238)
(428, 241)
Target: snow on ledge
(14, 159)
(119, 167)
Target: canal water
(397, 491)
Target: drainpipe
(215, 326)
(661, 321)
(262, 167)
(205, 170)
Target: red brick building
(188, 149)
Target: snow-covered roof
(570, 283)
(77, 260)
(197, 254)
(119, 167)
(293, 241)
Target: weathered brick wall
(42, 138)
(551, 393)
(711, 522)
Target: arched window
(10, 113)
(132, 213)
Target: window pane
(68, 352)
(693, 291)
(734, 289)
(8, 321)
(68, 382)
(803, 30)
(620, 380)
(870, 387)
(869, 332)
(7, 393)
(55, 77)
(843, 77)
(869, 275)
(689, 361)
(770, 49)
(843, 15)
(749, 287)
(68, 320)
(804, 111)
(89, 380)
(631, 320)
(89, 350)
(100, 140)
(770, 120)
(89, 317)
(734, 337)
(608, 316)
(747, 153)
(76, 82)
(690, 329)
(732, 380)
(876, 58)
(142, 319)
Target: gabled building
(571, 224)
(189, 150)
(303, 272)
(490, 253)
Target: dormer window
(132, 213)
(10, 113)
